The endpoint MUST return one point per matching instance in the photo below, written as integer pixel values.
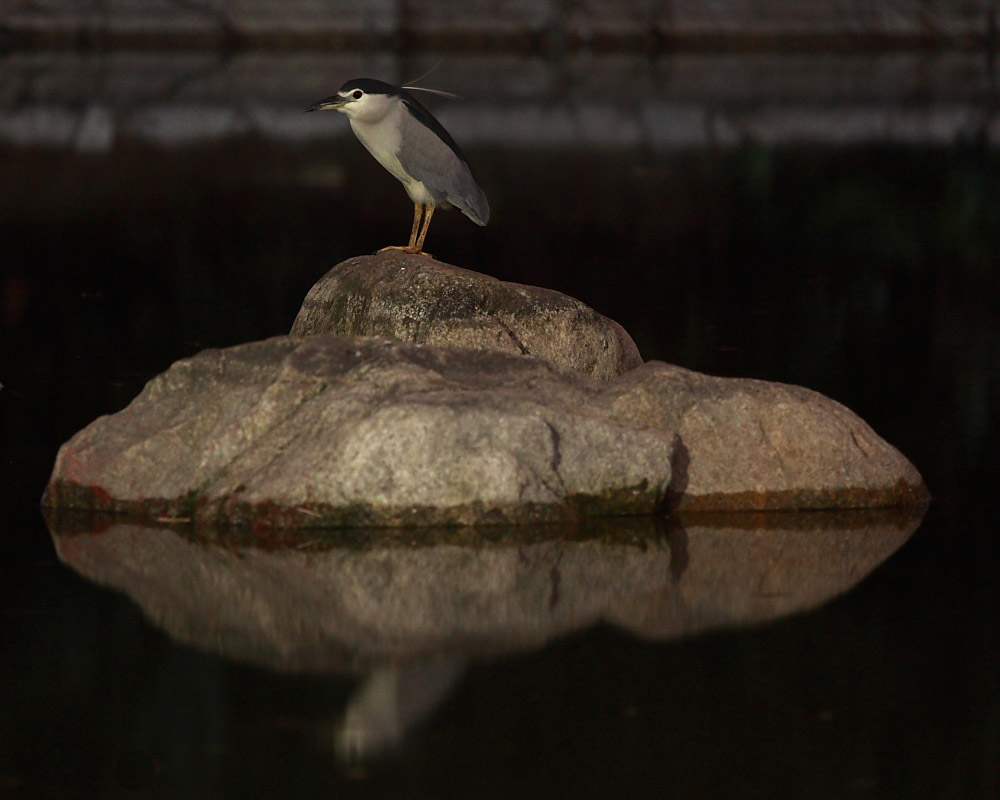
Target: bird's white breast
(382, 139)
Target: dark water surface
(866, 271)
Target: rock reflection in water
(409, 609)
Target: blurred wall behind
(672, 74)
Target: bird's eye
(357, 94)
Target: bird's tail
(476, 207)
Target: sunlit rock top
(418, 299)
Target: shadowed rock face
(417, 299)
(327, 430)
(750, 444)
(330, 602)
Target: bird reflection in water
(390, 702)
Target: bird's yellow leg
(411, 247)
(428, 213)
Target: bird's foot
(406, 249)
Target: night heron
(406, 139)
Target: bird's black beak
(329, 104)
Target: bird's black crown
(371, 86)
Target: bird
(406, 139)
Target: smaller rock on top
(417, 299)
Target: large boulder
(364, 431)
(418, 299)
(328, 430)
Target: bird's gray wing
(429, 159)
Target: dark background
(821, 217)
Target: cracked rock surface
(418, 299)
(328, 430)
(339, 430)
